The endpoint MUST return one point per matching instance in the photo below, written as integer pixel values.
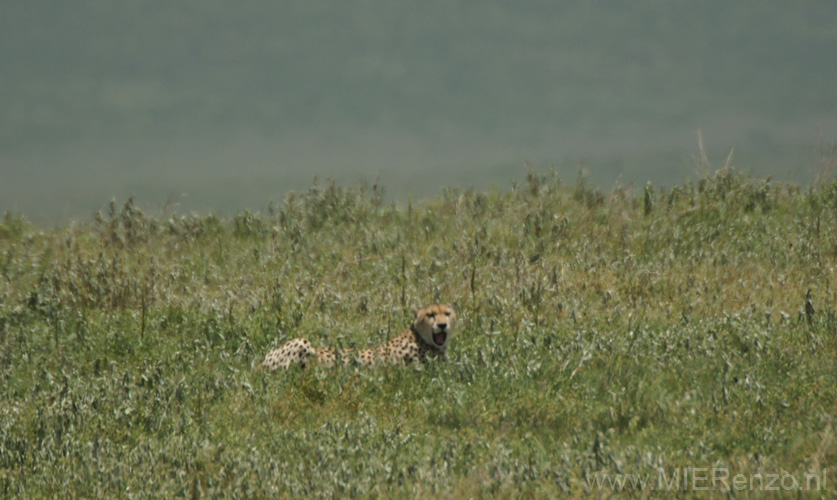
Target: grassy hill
(650, 332)
(220, 106)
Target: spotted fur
(427, 337)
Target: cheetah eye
(447, 313)
(431, 315)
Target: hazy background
(220, 106)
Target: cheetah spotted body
(427, 337)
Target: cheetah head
(434, 324)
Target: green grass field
(656, 332)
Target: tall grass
(628, 332)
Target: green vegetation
(630, 332)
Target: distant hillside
(102, 96)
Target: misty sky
(218, 106)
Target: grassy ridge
(628, 333)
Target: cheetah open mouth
(440, 338)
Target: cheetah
(427, 337)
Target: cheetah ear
(414, 310)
